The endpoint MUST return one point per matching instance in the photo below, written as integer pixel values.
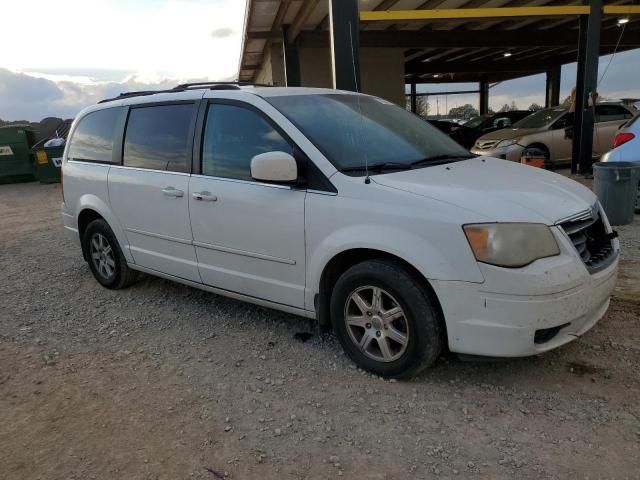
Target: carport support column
(414, 98)
(344, 32)
(552, 98)
(291, 61)
(586, 83)
(484, 97)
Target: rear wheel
(385, 320)
(106, 261)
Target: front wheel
(385, 320)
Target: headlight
(511, 244)
(507, 143)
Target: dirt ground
(162, 381)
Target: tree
(514, 107)
(464, 111)
(534, 107)
(505, 108)
(422, 106)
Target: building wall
(381, 70)
(315, 67)
(272, 72)
(382, 73)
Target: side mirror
(274, 167)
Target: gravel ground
(162, 381)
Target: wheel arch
(85, 217)
(542, 146)
(344, 260)
(91, 207)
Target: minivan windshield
(354, 130)
(540, 119)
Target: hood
(509, 133)
(496, 190)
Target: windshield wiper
(440, 159)
(378, 167)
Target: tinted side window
(157, 137)
(232, 137)
(93, 137)
(610, 113)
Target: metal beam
(586, 84)
(469, 67)
(504, 39)
(470, 13)
(414, 98)
(344, 29)
(292, 77)
(621, 10)
(303, 15)
(452, 92)
(552, 91)
(484, 97)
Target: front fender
(429, 259)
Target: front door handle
(204, 196)
(172, 192)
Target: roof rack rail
(216, 85)
(188, 86)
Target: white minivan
(340, 207)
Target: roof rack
(216, 85)
(188, 86)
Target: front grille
(486, 144)
(591, 241)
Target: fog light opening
(546, 334)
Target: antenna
(367, 180)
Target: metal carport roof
(445, 40)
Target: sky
(60, 56)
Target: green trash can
(616, 184)
(16, 159)
(48, 162)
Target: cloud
(25, 97)
(222, 33)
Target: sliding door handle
(204, 196)
(172, 192)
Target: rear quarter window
(93, 137)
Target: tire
(548, 164)
(105, 258)
(371, 327)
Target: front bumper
(500, 317)
(511, 153)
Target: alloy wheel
(376, 323)
(102, 256)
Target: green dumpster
(16, 159)
(47, 165)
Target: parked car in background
(445, 126)
(467, 133)
(340, 207)
(545, 130)
(626, 147)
